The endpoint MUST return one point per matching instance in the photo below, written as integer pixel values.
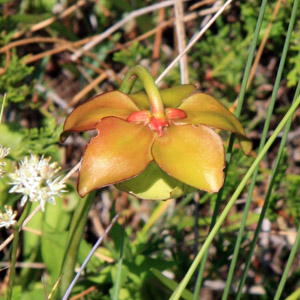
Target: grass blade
(177, 293)
(229, 153)
(288, 266)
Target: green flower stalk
(12, 269)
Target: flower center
(158, 117)
(156, 123)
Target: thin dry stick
(10, 238)
(88, 88)
(112, 29)
(88, 78)
(192, 42)
(52, 95)
(87, 259)
(263, 43)
(157, 43)
(216, 6)
(84, 293)
(49, 21)
(31, 265)
(31, 41)
(67, 46)
(180, 32)
(201, 3)
(167, 23)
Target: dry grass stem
(50, 94)
(84, 293)
(201, 3)
(157, 42)
(88, 78)
(259, 52)
(88, 88)
(118, 25)
(51, 20)
(180, 34)
(193, 41)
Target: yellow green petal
(155, 184)
(171, 97)
(206, 110)
(193, 155)
(120, 151)
(87, 115)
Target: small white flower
(7, 219)
(36, 179)
(4, 151)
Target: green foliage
(277, 195)
(43, 140)
(166, 246)
(294, 59)
(13, 81)
(131, 56)
(293, 198)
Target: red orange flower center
(156, 123)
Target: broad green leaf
(87, 115)
(171, 97)
(11, 136)
(193, 155)
(53, 244)
(155, 184)
(206, 110)
(56, 216)
(120, 151)
(31, 241)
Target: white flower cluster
(36, 179)
(3, 152)
(7, 218)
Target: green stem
(2, 108)
(117, 284)
(14, 250)
(77, 226)
(156, 104)
(288, 267)
(213, 222)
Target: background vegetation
(153, 243)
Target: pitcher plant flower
(155, 144)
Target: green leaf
(53, 244)
(11, 136)
(32, 240)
